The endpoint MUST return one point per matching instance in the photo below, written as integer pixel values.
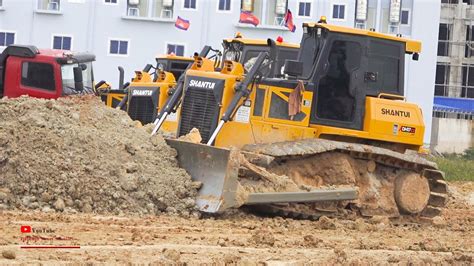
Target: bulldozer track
(305, 148)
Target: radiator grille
(199, 110)
(142, 109)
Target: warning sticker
(173, 117)
(242, 115)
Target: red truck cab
(26, 70)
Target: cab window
(178, 68)
(385, 59)
(38, 75)
(250, 57)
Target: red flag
(25, 229)
(248, 18)
(182, 23)
(289, 21)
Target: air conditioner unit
(361, 10)
(395, 6)
(134, 2)
(133, 12)
(280, 7)
(167, 3)
(247, 5)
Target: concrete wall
(451, 135)
(420, 75)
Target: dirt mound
(75, 154)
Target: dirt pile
(75, 154)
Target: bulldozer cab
(173, 64)
(246, 51)
(347, 65)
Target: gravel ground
(245, 239)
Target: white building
(131, 33)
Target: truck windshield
(67, 74)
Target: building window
(7, 38)
(469, 50)
(444, 39)
(190, 4)
(62, 42)
(304, 9)
(175, 49)
(405, 17)
(118, 47)
(110, 1)
(1, 3)
(338, 11)
(51, 5)
(37, 75)
(467, 85)
(442, 79)
(224, 5)
(150, 8)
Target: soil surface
(243, 238)
(75, 154)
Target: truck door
(339, 97)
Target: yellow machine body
(387, 119)
(330, 135)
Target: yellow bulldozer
(165, 65)
(149, 88)
(333, 134)
(145, 98)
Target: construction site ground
(242, 238)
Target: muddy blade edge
(215, 168)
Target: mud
(246, 239)
(77, 155)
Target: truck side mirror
(293, 68)
(78, 81)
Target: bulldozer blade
(303, 196)
(215, 168)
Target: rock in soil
(263, 238)
(9, 254)
(78, 151)
(327, 223)
(172, 255)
